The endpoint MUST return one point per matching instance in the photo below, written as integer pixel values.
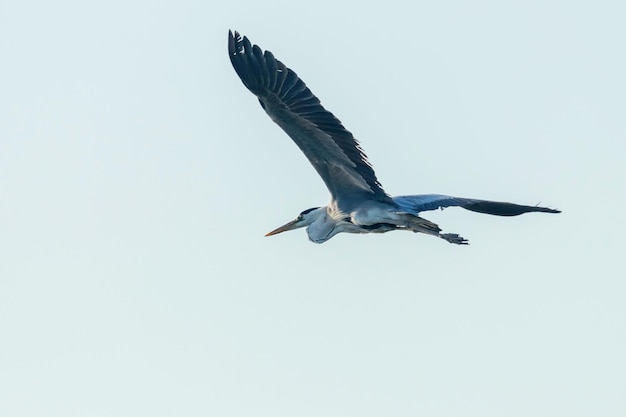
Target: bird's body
(358, 202)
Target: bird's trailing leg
(454, 238)
(420, 225)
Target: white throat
(322, 226)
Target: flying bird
(358, 202)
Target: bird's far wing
(333, 151)
(418, 203)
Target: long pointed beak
(284, 228)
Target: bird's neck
(322, 226)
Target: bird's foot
(454, 238)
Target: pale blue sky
(138, 176)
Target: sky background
(138, 177)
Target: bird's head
(304, 219)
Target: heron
(358, 203)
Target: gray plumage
(358, 202)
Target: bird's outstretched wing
(425, 202)
(333, 151)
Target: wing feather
(330, 147)
(425, 202)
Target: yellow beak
(284, 228)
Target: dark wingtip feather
(232, 42)
(247, 64)
(504, 209)
(549, 210)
